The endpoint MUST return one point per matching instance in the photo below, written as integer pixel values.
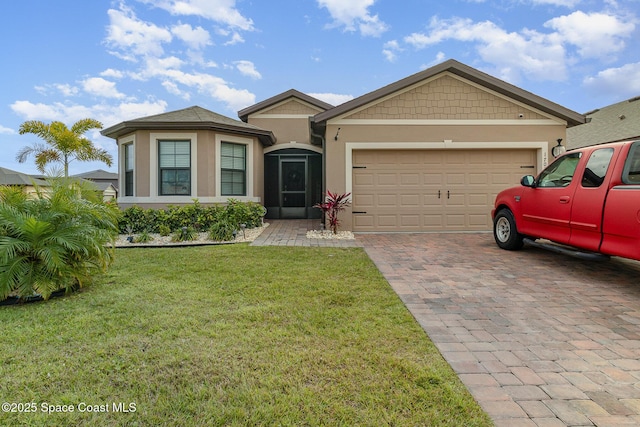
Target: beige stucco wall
(205, 189)
(289, 121)
(442, 114)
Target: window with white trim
(174, 167)
(233, 165)
(128, 169)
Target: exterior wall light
(559, 149)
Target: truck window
(597, 167)
(560, 173)
(631, 171)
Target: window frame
(129, 168)
(233, 171)
(175, 169)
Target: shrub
(164, 230)
(333, 204)
(143, 237)
(222, 231)
(56, 240)
(185, 234)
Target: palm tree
(63, 144)
(58, 240)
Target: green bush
(222, 231)
(56, 240)
(143, 237)
(135, 219)
(185, 234)
(164, 230)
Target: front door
(293, 188)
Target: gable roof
(196, 118)
(11, 177)
(616, 122)
(97, 174)
(457, 68)
(291, 93)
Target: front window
(174, 159)
(560, 173)
(128, 170)
(233, 159)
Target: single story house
(426, 153)
(616, 122)
(28, 183)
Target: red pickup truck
(587, 199)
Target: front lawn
(228, 335)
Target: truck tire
(505, 231)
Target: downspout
(324, 160)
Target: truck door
(546, 208)
(589, 199)
(621, 219)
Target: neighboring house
(106, 182)
(426, 153)
(27, 182)
(617, 122)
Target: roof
(616, 122)
(454, 67)
(11, 177)
(291, 93)
(196, 118)
(97, 174)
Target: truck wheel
(505, 231)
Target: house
(106, 182)
(617, 122)
(27, 182)
(426, 153)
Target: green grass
(230, 335)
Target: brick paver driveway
(540, 339)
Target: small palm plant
(333, 204)
(56, 240)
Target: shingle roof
(97, 174)
(11, 177)
(291, 93)
(617, 122)
(190, 118)
(571, 117)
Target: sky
(117, 60)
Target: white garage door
(432, 190)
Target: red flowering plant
(332, 205)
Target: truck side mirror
(528, 181)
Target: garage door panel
(407, 190)
(387, 179)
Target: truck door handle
(565, 199)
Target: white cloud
(195, 38)
(247, 68)
(537, 55)
(71, 113)
(596, 35)
(354, 15)
(220, 11)
(390, 50)
(101, 87)
(332, 98)
(440, 57)
(624, 81)
(236, 38)
(132, 37)
(6, 130)
(110, 72)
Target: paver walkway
(539, 339)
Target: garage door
(429, 190)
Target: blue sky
(119, 60)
